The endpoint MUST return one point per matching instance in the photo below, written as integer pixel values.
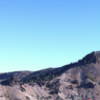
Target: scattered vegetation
(91, 76)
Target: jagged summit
(93, 57)
(97, 54)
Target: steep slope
(76, 81)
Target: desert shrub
(22, 89)
(27, 98)
(91, 77)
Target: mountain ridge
(76, 80)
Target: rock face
(76, 81)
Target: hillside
(76, 81)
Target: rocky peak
(97, 54)
(93, 57)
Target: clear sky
(37, 34)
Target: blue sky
(37, 34)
